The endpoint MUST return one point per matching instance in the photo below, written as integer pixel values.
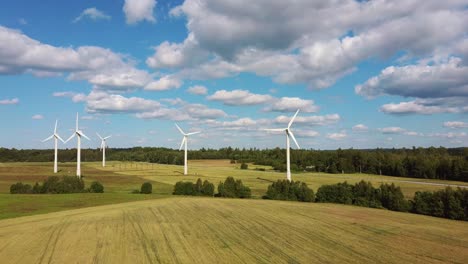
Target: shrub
(20, 188)
(392, 198)
(233, 189)
(337, 193)
(198, 189)
(96, 187)
(244, 166)
(448, 203)
(364, 194)
(135, 191)
(146, 188)
(289, 190)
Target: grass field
(208, 230)
(120, 178)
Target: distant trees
(448, 203)
(196, 189)
(431, 163)
(146, 188)
(364, 194)
(232, 188)
(289, 191)
(56, 185)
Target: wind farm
(170, 120)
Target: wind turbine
(103, 148)
(184, 140)
(56, 137)
(78, 133)
(289, 133)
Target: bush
(392, 198)
(290, 191)
(20, 188)
(444, 203)
(337, 193)
(146, 188)
(135, 191)
(244, 166)
(96, 187)
(233, 189)
(198, 189)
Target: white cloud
(139, 10)
(337, 136)
(416, 107)
(450, 135)
(306, 133)
(9, 101)
(392, 130)
(37, 117)
(423, 81)
(239, 97)
(455, 124)
(198, 90)
(360, 128)
(101, 102)
(93, 14)
(101, 67)
(291, 104)
(164, 83)
(310, 120)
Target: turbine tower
(78, 133)
(103, 148)
(184, 140)
(289, 133)
(56, 137)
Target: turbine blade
(76, 122)
(83, 135)
(107, 137)
(193, 133)
(294, 138)
(292, 119)
(59, 138)
(182, 143)
(275, 129)
(55, 130)
(99, 136)
(47, 139)
(73, 135)
(180, 129)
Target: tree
(244, 166)
(146, 188)
(96, 187)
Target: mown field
(209, 230)
(120, 178)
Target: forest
(430, 163)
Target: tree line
(431, 163)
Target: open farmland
(207, 230)
(120, 178)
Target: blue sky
(365, 74)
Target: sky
(364, 74)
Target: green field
(120, 227)
(208, 230)
(120, 178)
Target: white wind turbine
(103, 148)
(184, 140)
(289, 133)
(78, 133)
(56, 137)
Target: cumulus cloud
(306, 133)
(101, 67)
(360, 128)
(337, 136)
(102, 102)
(310, 120)
(239, 97)
(37, 117)
(139, 10)
(312, 48)
(455, 124)
(9, 101)
(416, 107)
(291, 104)
(164, 83)
(398, 130)
(93, 14)
(198, 90)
